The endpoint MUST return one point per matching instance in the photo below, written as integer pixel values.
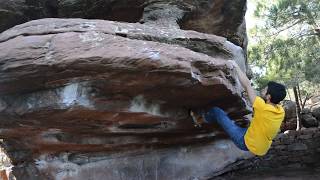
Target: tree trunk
(299, 96)
(295, 91)
(288, 94)
(305, 100)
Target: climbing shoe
(197, 119)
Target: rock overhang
(62, 78)
(63, 68)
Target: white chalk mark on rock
(74, 94)
(139, 104)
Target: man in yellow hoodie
(265, 124)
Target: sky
(250, 20)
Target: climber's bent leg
(235, 132)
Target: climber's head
(273, 92)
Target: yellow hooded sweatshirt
(264, 126)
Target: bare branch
(308, 96)
(286, 28)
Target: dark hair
(277, 92)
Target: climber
(265, 124)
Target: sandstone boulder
(220, 17)
(111, 99)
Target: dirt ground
(274, 174)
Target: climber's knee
(216, 110)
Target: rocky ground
(275, 174)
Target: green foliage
(287, 43)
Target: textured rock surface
(221, 17)
(307, 119)
(290, 119)
(315, 110)
(292, 150)
(226, 14)
(87, 96)
(179, 163)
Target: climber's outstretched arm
(245, 82)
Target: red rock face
(220, 17)
(3, 175)
(79, 96)
(228, 14)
